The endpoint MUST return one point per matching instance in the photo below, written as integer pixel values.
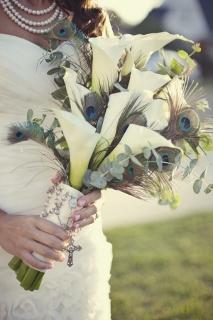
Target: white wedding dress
(77, 293)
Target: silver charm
(71, 249)
(60, 201)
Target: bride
(82, 291)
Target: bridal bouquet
(120, 124)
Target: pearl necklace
(27, 24)
(34, 12)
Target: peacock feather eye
(165, 159)
(62, 32)
(130, 171)
(19, 135)
(188, 121)
(91, 113)
(170, 158)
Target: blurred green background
(163, 260)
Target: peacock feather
(185, 124)
(94, 108)
(133, 113)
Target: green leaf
(128, 149)
(206, 142)
(186, 172)
(53, 71)
(197, 186)
(193, 163)
(147, 152)
(60, 94)
(117, 170)
(55, 124)
(158, 159)
(176, 67)
(183, 54)
(123, 159)
(202, 105)
(209, 189)
(29, 115)
(97, 180)
(203, 174)
(135, 161)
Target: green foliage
(163, 270)
(176, 67)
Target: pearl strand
(22, 24)
(30, 22)
(34, 12)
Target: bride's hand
(87, 214)
(22, 235)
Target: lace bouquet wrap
(120, 124)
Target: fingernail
(62, 257)
(76, 217)
(82, 202)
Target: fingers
(89, 198)
(45, 251)
(52, 228)
(31, 261)
(84, 217)
(84, 222)
(49, 240)
(84, 213)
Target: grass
(163, 271)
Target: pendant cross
(71, 249)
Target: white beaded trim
(30, 22)
(34, 12)
(27, 24)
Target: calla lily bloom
(138, 138)
(81, 139)
(75, 92)
(116, 105)
(147, 83)
(134, 50)
(106, 56)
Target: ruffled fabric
(77, 293)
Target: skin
(22, 235)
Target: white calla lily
(106, 56)
(143, 46)
(116, 105)
(75, 92)
(108, 52)
(137, 138)
(157, 115)
(146, 80)
(146, 83)
(81, 139)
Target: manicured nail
(76, 226)
(82, 202)
(76, 217)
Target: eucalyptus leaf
(60, 94)
(53, 71)
(147, 152)
(55, 124)
(197, 186)
(193, 163)
(135, 161)
(186, 172)
(158, 159)
(29, 115)
(128, 150)
(203, 174)
(123, 159)
(209, 189)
